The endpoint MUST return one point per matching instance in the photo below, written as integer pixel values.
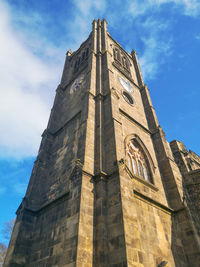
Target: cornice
(153, 202)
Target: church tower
(106, 188)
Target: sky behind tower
(35, 36)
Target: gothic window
(77, 63)
(83, 56)
(121, 60)
(76, 66)
(137, 161)
(81, 59)
(133, 165)
(140, 172)
(145, 172)
(125, 63)
(87, 52)
(116, 54)
(129, 162)
(189, 166)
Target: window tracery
(83, 56)
(121, 60)
(137, 161)
(117, 54)
(80, 59)
(87, 52)
(125, 63)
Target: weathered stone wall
(192, 184)
(148, 226)
(188, 163)
(84, 207)
(55, 235)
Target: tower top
(105, 189)
(99, 20)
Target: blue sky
(35, 36)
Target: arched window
(87, 52)
(129, 162)
(80, 59)
(145, 172)
(76, 66)
(140, 169)
(116, 53)
(137, 161)
(125, 63)
(83, 56)
(133, 165)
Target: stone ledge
(138, 178)
(152, 202)
(49, 204)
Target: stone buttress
(107, 189)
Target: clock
(77, 84)
(128, 98)
(126, 84)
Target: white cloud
(30, 64)
(156, 47)
(153, 53)
(25, 85)
(156, 37)
(137, 7)
(84, 13)
(197, 37)
(30, 72)
(20, 188)
(189, 7)
(90, 7)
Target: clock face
(77, 84)
(126, 84)
(128, 98)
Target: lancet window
(125, 63)
(117, 54)
(83, 56)
(80, 59)
(137, 161)
(121, 60)
(87, 52)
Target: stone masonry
(107, 189)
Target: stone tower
(107, 189)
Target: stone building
(107, 189)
